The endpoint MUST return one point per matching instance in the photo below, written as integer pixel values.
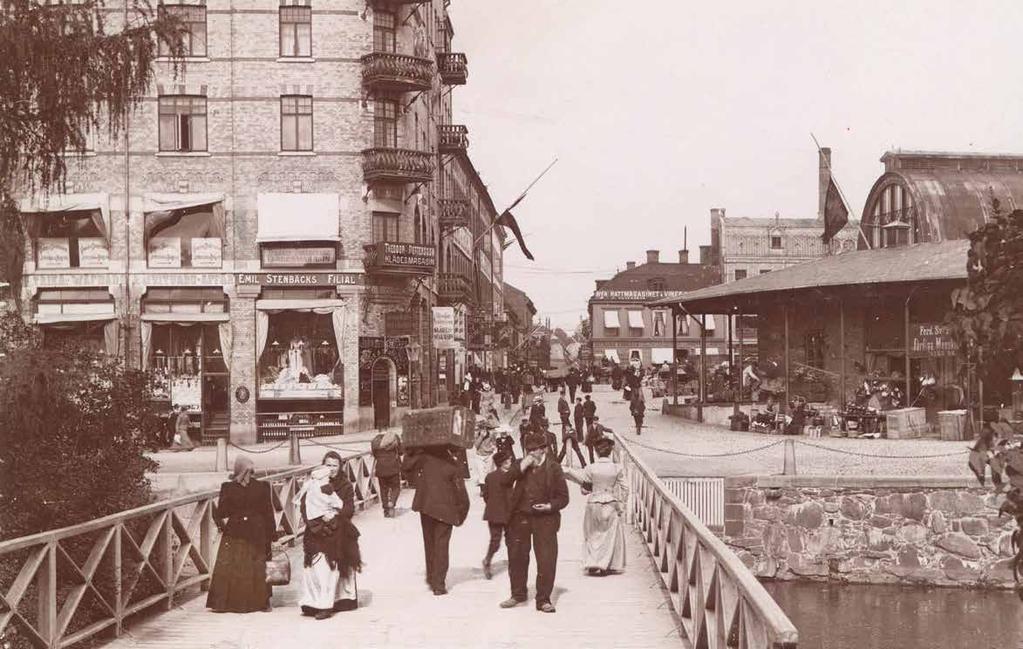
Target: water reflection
(838, 616)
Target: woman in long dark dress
(331, 543)
(245, 516)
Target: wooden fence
(718, 600)
(70, 584)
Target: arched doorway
(381, 374)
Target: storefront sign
(53, 253)
(93, 253)
(443, 327)
(460, 312)
(636, 296)
(931, 340)
(299, 279)
(242, 394)
(165, 252)
(298, 257)
(409, 256)
(206, 252)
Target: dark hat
(500, 457)
(604, 444)
(534, 441)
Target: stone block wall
(937, 532)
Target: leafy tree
(65, 75)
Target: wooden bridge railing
(60, 587)
(719, 601)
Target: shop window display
(190, 237)
(70, 240)
(179, 355)
(300, 358)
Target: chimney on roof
(705, 255)
(629, 265)
(823, 177)
(683, 256)
(601, 283)
(716, 213)
(653, 256)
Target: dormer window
(893, 219)
(775, 242)
(656, 284)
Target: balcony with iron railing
(453, 288)
(453, 213)
(391, 5)
(453, 138)
(395, 258)
(453, 68)
(397, 165)
(390, 72)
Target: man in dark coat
(497, 492)
(596, 432)
(442, 503)
(564, 412)
(387, 450)
(589, 412)
(579, 417)
(539, 495)
(503, 442)
(537, 412)
(572, 381)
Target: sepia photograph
(538, 323)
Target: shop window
(182, 123)
(660, 320)
(298, 255)
(88, 336)
(296, 31)
(813, 346)
(179, 354)
(300, 357)
(296, 123)
(70, 240)
(385, 124)
(740, 274)
(190, 237)
(385, 227)
(193, 25)
(384, 32)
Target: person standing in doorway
(387, 450)
(539, 495)
(442, 503)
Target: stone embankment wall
(870, 530)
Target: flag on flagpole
(836, 215)
(507, 220)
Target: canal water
(844, 616)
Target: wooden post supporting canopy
(703, 367)
(841, 353)
(909, 392)
(783, 407)
(674, 356)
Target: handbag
(278, 570)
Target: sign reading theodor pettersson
(931, 339)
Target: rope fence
(822, 447)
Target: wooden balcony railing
(453, 288)
(453, 138)
(129, 562)
(391, 72)
(397, 165)
(719, 601)
(453, 213)
(453, 68)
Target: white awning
(711, 351)
(661, 355)
(710, 323)
(298, 305)
(611, 320)
(60, 318)
(635, 319)
(297, 217)
(612, 354)
(167, 202)
(186, 317)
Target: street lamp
(1017, 392)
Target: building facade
(519, 314)
(624, 328)
(266, 234)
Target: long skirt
(324, 589)
(239, 583)
(604, 534)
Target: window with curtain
(296, 123)
(385, 227)
(69, 240)
(384, 31)
(385, 124)
(182, 123)
(296, 31)
(186, 238)
(193, 25)
(301, 348)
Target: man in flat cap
(539, 495)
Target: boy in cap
(497, 491)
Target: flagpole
(831, 177)
(514, 203)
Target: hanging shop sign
(406, 256)
(931, 340)
(299, 279)
(443, 327)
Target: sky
(658, 111)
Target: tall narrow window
(296, 31)
(182, 123)
(193, 29)
(384, 31)
(385, 227)
(385, 124)
(775, 242)
(296, 123)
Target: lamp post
(1017, 392)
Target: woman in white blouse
(603, 524)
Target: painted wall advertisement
(443, 327)
(165, 252)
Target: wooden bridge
(134, 577)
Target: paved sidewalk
(398, 610)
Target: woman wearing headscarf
(331, 541)
(245, 516)
(603, 527)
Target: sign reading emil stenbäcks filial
(300, 279)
